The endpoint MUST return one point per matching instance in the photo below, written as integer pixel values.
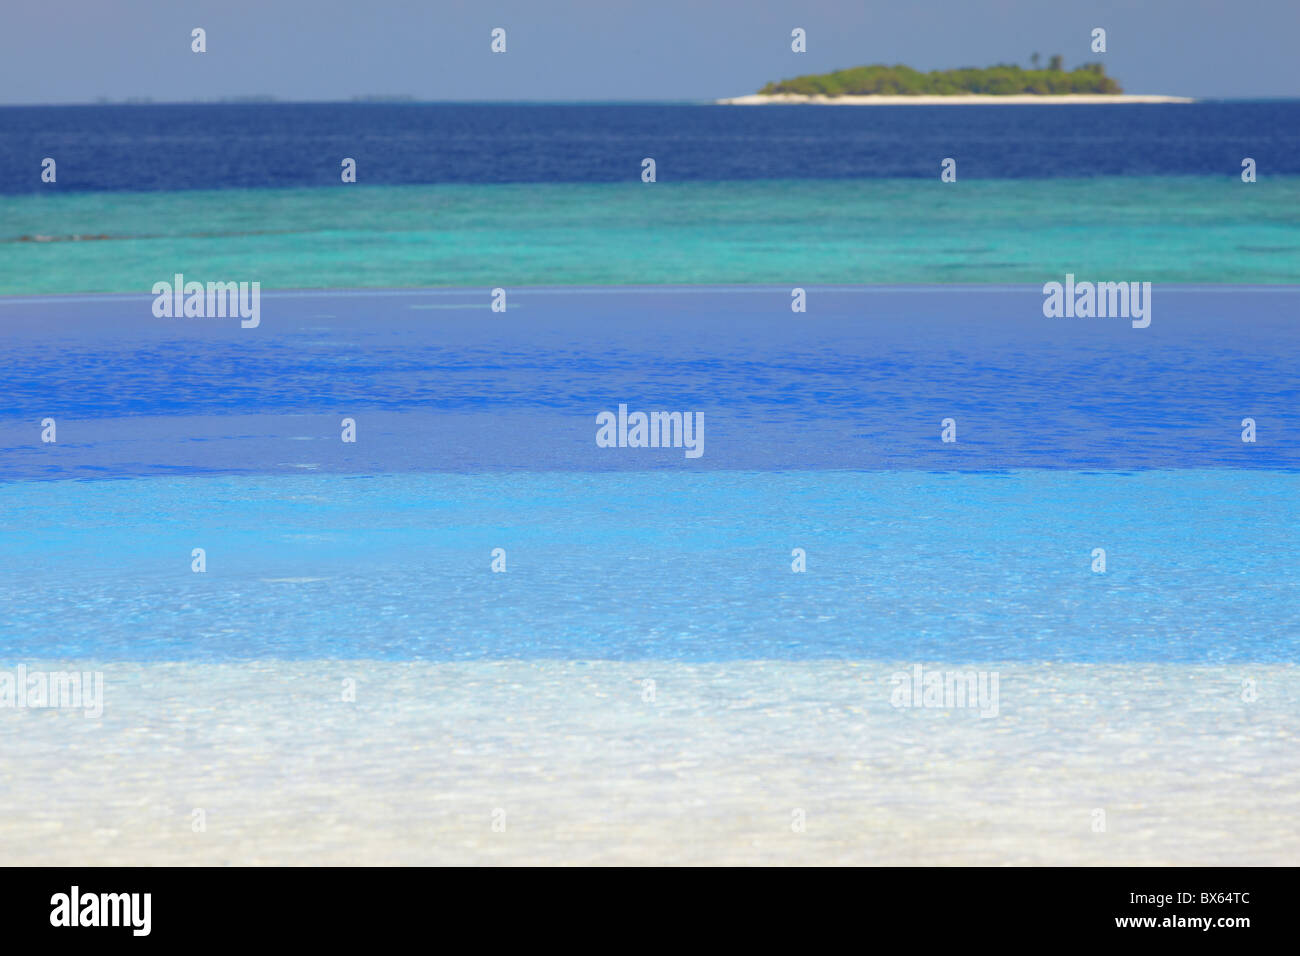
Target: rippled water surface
(438, 382)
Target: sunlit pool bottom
(585, 762)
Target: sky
(81, 51)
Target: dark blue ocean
(158, 147)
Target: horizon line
(402, 100)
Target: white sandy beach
(965, 99)
(587, 771)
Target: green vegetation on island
(1005, 79)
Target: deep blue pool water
(437, 382)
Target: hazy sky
(67, 51)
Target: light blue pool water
(656, 565)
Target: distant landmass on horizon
(1001, 80)
(1005, 82)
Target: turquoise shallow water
(656, 565)
(1168, 229)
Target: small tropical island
(1004, 83)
